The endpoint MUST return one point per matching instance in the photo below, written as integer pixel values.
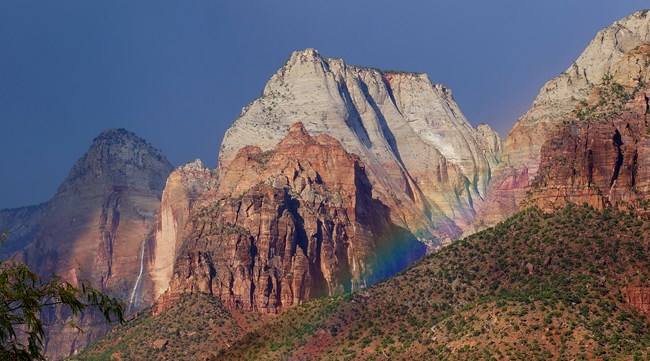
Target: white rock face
(422, 154)
(559, 97)
(615, 51)
(185, 186)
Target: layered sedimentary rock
(95, 228)
(602, 162)
(291, 223)
(584, 138)
(637, 297)
(187, 188)
(600, 153)
(424, 160)
(606, 54)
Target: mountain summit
(586, 136)
(424, 159)
(559, 96)
(94, 228)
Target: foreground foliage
(24, 295)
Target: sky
(177, 73)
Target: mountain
(423, 158)
(382, 165)
(558, 98)
(404, 162)
(583, 139)
(287, 225)
(94, 228)
(570, 284)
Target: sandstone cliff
(95, 228)
(423, 158)
(602, 162)
(583, 140)
(289, 224)
(559, 97)
(187, 188)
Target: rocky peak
(559, 97)
(414, 140)
(585, 136)
(289, 224)
(194, 165)
(95, 228)
(297, 135)
(120, 145)
(123, 159)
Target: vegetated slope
(563, 285)
(195, 327)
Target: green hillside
(538, 286)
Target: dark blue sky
(178, 72)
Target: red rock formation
(577, 109)
(585, 140)
(423, 158)
(186, 188)
(290, 224)
(637, 297)
(599, 163)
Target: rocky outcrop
(584, 137)
(559, 97)
(95, 228)
(637, 297)
(186, 189)
(600, 155)
(491, 143)
(289, 224)
(602, 163)
(423, 158)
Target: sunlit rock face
(94, 228)
(558, 98)
(289, 224)
(423, 158)
(188, 187)
(584, 138)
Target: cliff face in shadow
(94, 228)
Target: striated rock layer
(584, 138)
(423, 158)
(637, 297)
(94, 228)
(289, 224)
(188, 188)
(606, 54)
